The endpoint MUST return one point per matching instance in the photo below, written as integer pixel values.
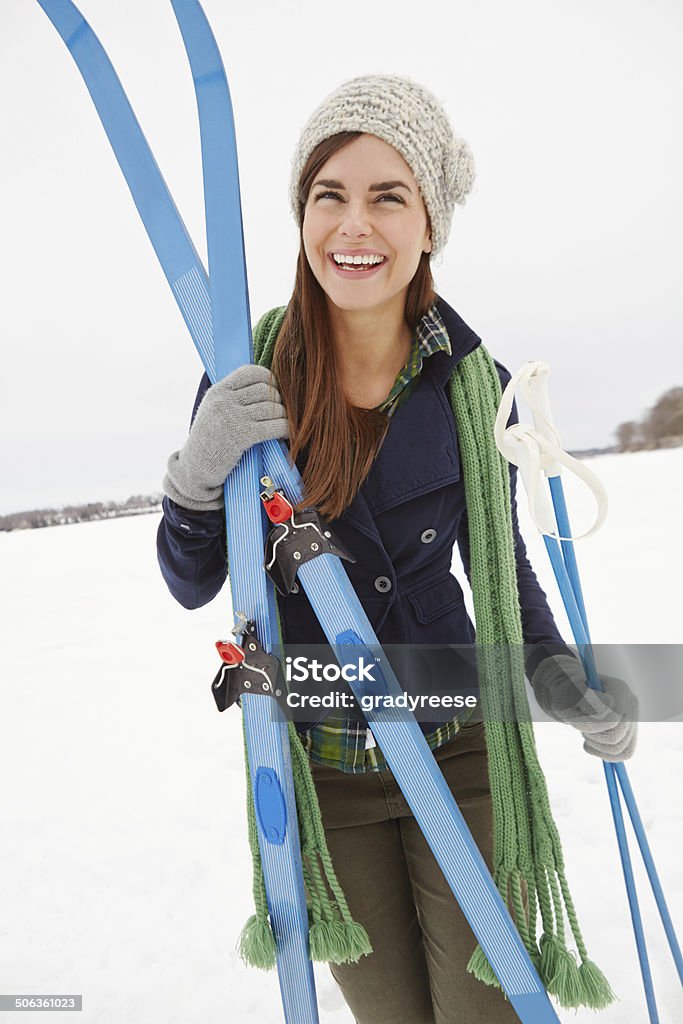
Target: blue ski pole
(586, 654)
(572, 570)
(539, 450)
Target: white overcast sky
(568, 250)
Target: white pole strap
(537, 450)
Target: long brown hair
(338, 441)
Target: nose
(355, 222)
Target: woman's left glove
(608, 721)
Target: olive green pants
(421, 941)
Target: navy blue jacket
(401, 527)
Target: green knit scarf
(528, 865)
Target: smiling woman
(389, 400)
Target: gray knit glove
(607, 721)
(237, 412)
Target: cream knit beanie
(409, 118)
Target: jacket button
(427, 536)
(382, 583)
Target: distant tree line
(138, 504)
(661, 427)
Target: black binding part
(296, 541)
(259, 673)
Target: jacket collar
(436, 371)
(463, 341)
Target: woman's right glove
(237, 412)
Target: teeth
(357, 260)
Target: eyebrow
(381, 186)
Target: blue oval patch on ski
(269, 802)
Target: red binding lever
(278, 508)
(231, 653)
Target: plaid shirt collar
(430, 337)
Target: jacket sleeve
(192, 546)
(541, 635)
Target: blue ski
(266, 729)
(231, 346)
(324, 579)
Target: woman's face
(365, 202)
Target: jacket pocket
(434, 598)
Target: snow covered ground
(124, 866)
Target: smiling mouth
(357, 269)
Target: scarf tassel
(572, 984)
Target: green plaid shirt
(340, 742)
